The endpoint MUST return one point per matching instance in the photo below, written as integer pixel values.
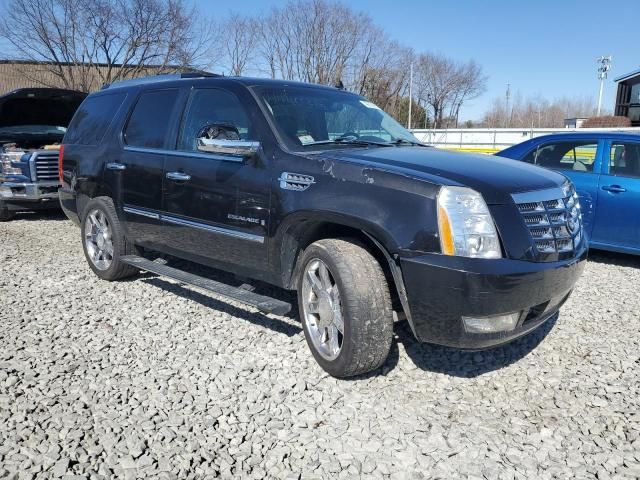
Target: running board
(261, 302)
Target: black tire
(5, 213)
(365, 303)
(117, 269)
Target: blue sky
(540, 47)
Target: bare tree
(537, 112)
(84, 43)
(240, 35)
(444, 85)
(311, 40)
(380, 72)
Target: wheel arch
(304, 230)
(301, 229)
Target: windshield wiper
(349, 141)
(404, 141)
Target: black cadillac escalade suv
(315, 189)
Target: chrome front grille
(46, 165)
(553, 218)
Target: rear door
(140, 169)
(580, 160)
(217, 206)
(617, 219)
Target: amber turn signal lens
(446, 235)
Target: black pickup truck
(315, 189)
(32, 124)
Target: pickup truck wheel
(345, 305)
(5, 214)
(103, 241)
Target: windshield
(314, 118)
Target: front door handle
(116, 166)
(178, 176)
(614, 188)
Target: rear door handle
(178, 176)
(116, 166)
(614, 188)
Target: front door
(618, 213)
(216, 206)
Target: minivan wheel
(345, 307)
(103, 241)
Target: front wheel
(345, 305)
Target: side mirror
(224, 139)
(243, 148)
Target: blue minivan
(605, 169)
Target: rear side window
(624, 159)
(92, 119)
(150, 120)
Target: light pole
(604, 65)
(410, 95)
(506, 108)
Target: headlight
(465, 224)
(6, 165)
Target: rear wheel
(345, 307)
(103, 241)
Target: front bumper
(17, 195)
(442, 289)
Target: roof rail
(163, 77)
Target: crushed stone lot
(147, 378)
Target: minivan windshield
(310, 118)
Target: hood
(39, 106)
(494, 177)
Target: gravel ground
(148, 378)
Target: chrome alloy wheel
(322, 312)
(98, 239)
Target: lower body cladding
(476, 304)
(29, 196)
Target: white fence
(491, 140)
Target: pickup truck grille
(555, 224)
(46, 164)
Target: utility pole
(410, 95)
(604, 65)
(506, 108)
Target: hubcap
(98, 239)
(322, 312)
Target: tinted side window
(209, 106)
(578, 156)
(624, 159)
(92, 119)
(150, 119)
